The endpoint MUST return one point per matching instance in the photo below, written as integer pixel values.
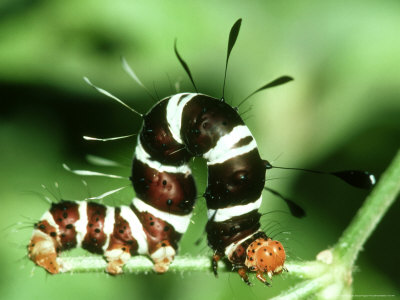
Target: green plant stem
(369, 215)
(303, 290)
(142, 264)
(137, 264)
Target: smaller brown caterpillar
(116, 232)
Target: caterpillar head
(265, 255)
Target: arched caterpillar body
(174, 130)
(187, 125)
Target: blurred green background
(341, 112)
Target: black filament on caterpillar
(174, 130)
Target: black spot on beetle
(69, 226)
(151, 223)
(163, 245)
(97, 230)
(169, 202)
(164, 182)
(166, 228)
(53, 234)
(65, 215)
(41, 226)
(121, 231)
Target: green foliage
(341, 112)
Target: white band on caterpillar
(223, 214)
(174, 114)
(81, 224)
(235, 152)
(46, 244)
(49, 218)
(145, 158)
(136, 228)
(232, 247)
(108, 227)
(180, 223)
(224, 150)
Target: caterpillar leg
(116, 259)
(243, 274)
(118, 256)
(214, 262)
(260, 276)
(122, 245)
(163, 256)
(42, 250)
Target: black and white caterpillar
(176, 129)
